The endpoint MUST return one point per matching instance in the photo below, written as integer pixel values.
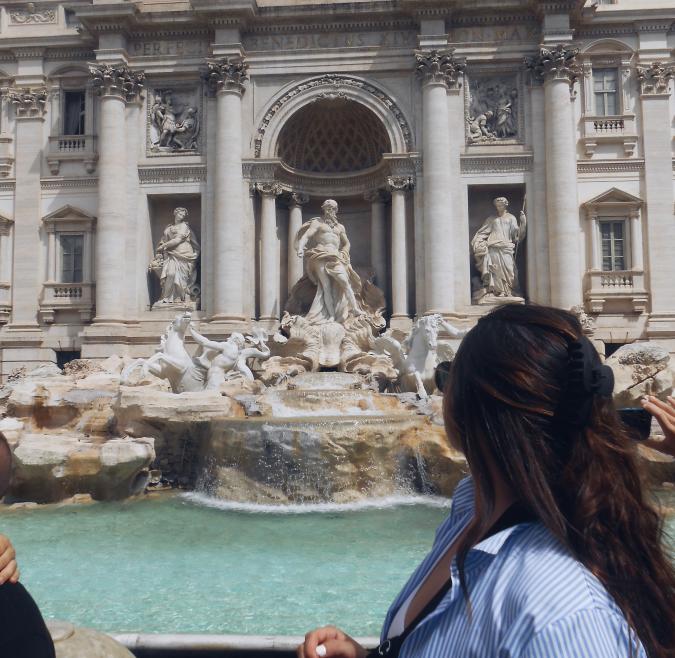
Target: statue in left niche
(175, 262)
(214, 364)
(174, 123)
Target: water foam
(384, 502)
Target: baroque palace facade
(412, 114)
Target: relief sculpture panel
(174, 120)
(493, 109)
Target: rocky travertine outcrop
(75, 642)
(641, 369)
(63, 432)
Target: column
(656, 121)
(559, 70)
(378, 237)
(269, 252)
(636, 246)
(295, 266)
(225, 78)
(115, 85)
(398, 185)
(29, 107)
(439, 70)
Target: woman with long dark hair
(552, 548)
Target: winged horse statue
(417, 356)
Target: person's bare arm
(664, 412)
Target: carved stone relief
(655, 79)
(29, 103)
(174, 120)
(32, 15)
(493, 109)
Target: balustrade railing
(604, 126)
(616, 279)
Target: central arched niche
(333, 136)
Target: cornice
(60, 183)
(69, 53)
(471, 20)
(332, 26)
(495, 164)
(28, 52)
(610, 166)
(7, 185)
(172, 174)
(186, 33)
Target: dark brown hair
(502, 405)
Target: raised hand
(664, 412)
(9, 569)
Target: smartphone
(638, 422)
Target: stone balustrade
(600, 130)
(74, 148)
(625, 289)
(78, 297)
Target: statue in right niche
(494, 247)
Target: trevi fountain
(330, 412)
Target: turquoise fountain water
(181, 566)
(190, 564)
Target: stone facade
(413, 114)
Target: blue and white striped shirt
(530, 599)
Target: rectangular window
(605, 89)
(613, 240)
(73, 113)
(72, 249)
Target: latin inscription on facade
(392, 39)
(503, 33)
(191, 47)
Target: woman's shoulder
(548, 596)
(539, 574)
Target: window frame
(604, 93)
(624, 222)
(61, 257)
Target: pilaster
(655, 83)
(116, 85)
(439, 72)
(559, 69)
(30, 105)
(226, 78)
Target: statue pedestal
(174, 307)
(493, 300)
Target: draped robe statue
(494, 248)
(176, 259)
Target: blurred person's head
(529, 404)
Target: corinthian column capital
(227, 74)
(559, 63)
(439, 67)
(400, 183)
(268, 189)
(29, 103)
(117, 81)
(655, 79)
